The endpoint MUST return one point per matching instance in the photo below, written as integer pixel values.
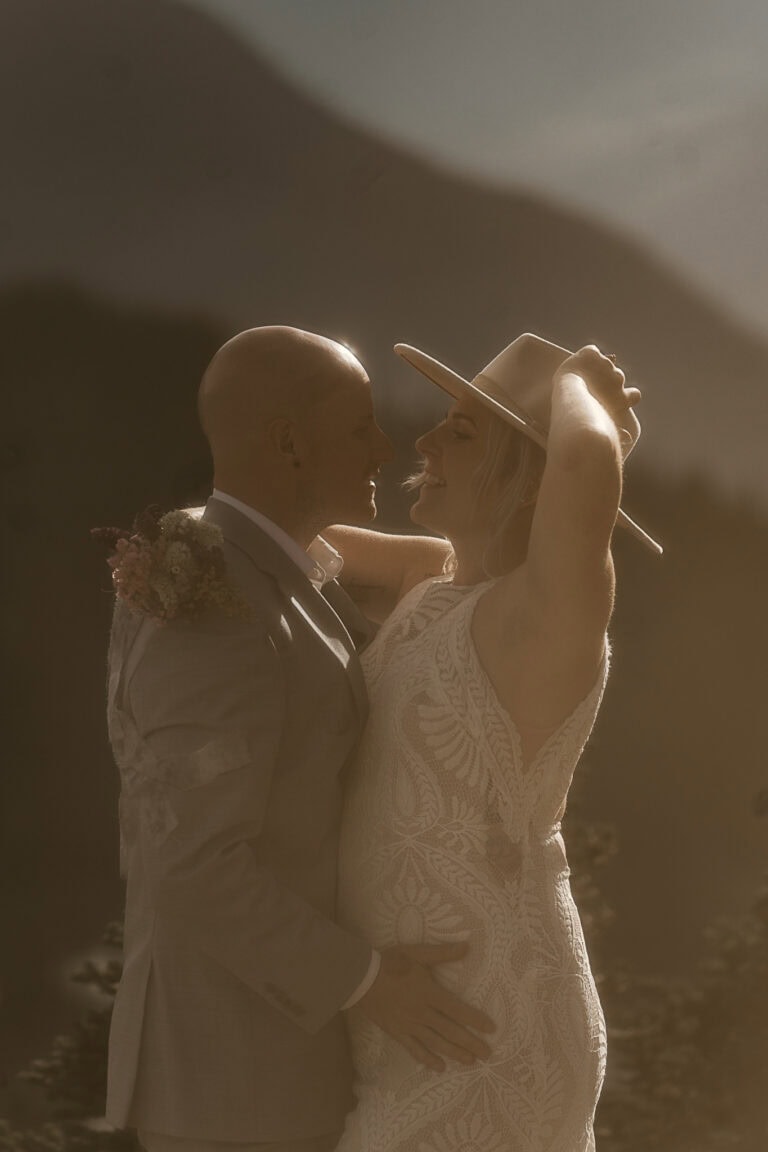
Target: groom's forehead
(348, 388)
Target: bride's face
(453, 452)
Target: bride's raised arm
(380, 567)
(569, 570)
(550, 615)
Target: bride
(484, 684)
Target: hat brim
(456, 386)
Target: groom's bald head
(263, 374)
(290, 420)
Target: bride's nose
(427, 443)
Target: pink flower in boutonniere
(171, 566)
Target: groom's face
(345, 448)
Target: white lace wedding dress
(449, 836)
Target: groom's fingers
(461, 1012)
(436, 1044)
(430, 955)
(457, 1042)
(409, 1003)
(424, 1055)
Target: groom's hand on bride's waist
(407, 1001)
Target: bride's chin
(420, 516)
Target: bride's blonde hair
(509, 474)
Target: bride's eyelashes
(461, 426)
(459, 431)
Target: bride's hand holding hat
(607, 383)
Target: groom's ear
(283, 437)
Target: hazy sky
(652, 114)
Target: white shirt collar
(320, 563)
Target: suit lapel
(312, 606)
(358, 626)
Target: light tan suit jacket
(232, 737)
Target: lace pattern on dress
(447, 836)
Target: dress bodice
(425, 674)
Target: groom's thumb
(433, 954)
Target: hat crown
(521, 376)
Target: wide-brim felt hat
(517, 386)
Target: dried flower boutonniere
(171, 566)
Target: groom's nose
(384, 448)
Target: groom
(232, 735)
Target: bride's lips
(429, 480)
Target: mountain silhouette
(150, 155)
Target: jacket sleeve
(209, 709)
